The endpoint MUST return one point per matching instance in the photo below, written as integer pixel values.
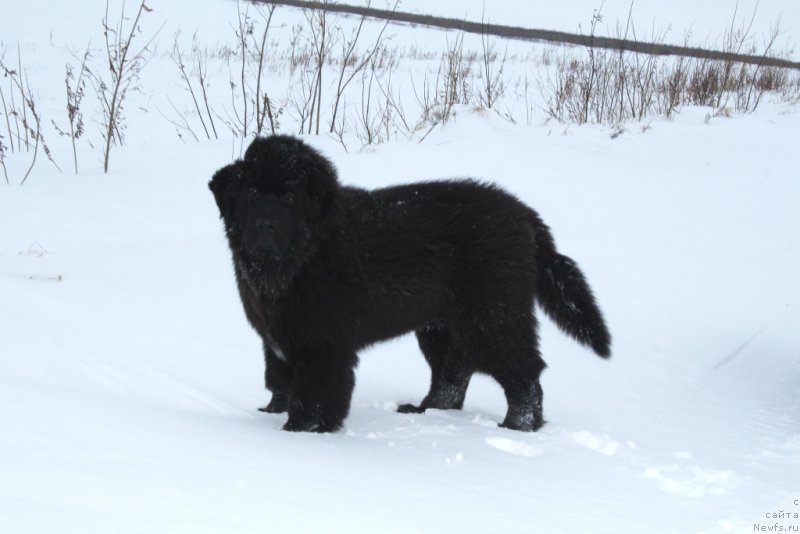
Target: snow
(130, 379)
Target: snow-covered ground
(129, 379)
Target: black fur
(324, 270)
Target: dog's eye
(252, 193)
(288, 198)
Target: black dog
(324, 270)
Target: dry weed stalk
(124, 67)
(26, 116)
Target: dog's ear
(220, 183)
(320, 177)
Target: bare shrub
(30, 138)
(252, 110)
(455, 78)
(760, 80)
(76, 90)
(194, 79)
(370, 116)
(342, 82)
(610, 87)
(124, 67)
(311, 50)
(349, 61)
(671, 86)
(3, 149)
(263, 106)
(321, 42)
(493, 86)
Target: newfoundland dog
(324, 270)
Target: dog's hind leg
(516, 364)
(450, 372)
(505, 347)
(524, 398)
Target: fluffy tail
(564, 294)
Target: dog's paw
(303, 426)
(410, 408)
(523, 425)
(278, 404)
(318, 425)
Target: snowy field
(129, 378)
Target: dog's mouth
(264, 272)
(264, 253)
(263, 258)
(268, 265)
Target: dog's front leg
(278, 379)
(321, 388)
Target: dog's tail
(564, 294)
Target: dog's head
(271, 201)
